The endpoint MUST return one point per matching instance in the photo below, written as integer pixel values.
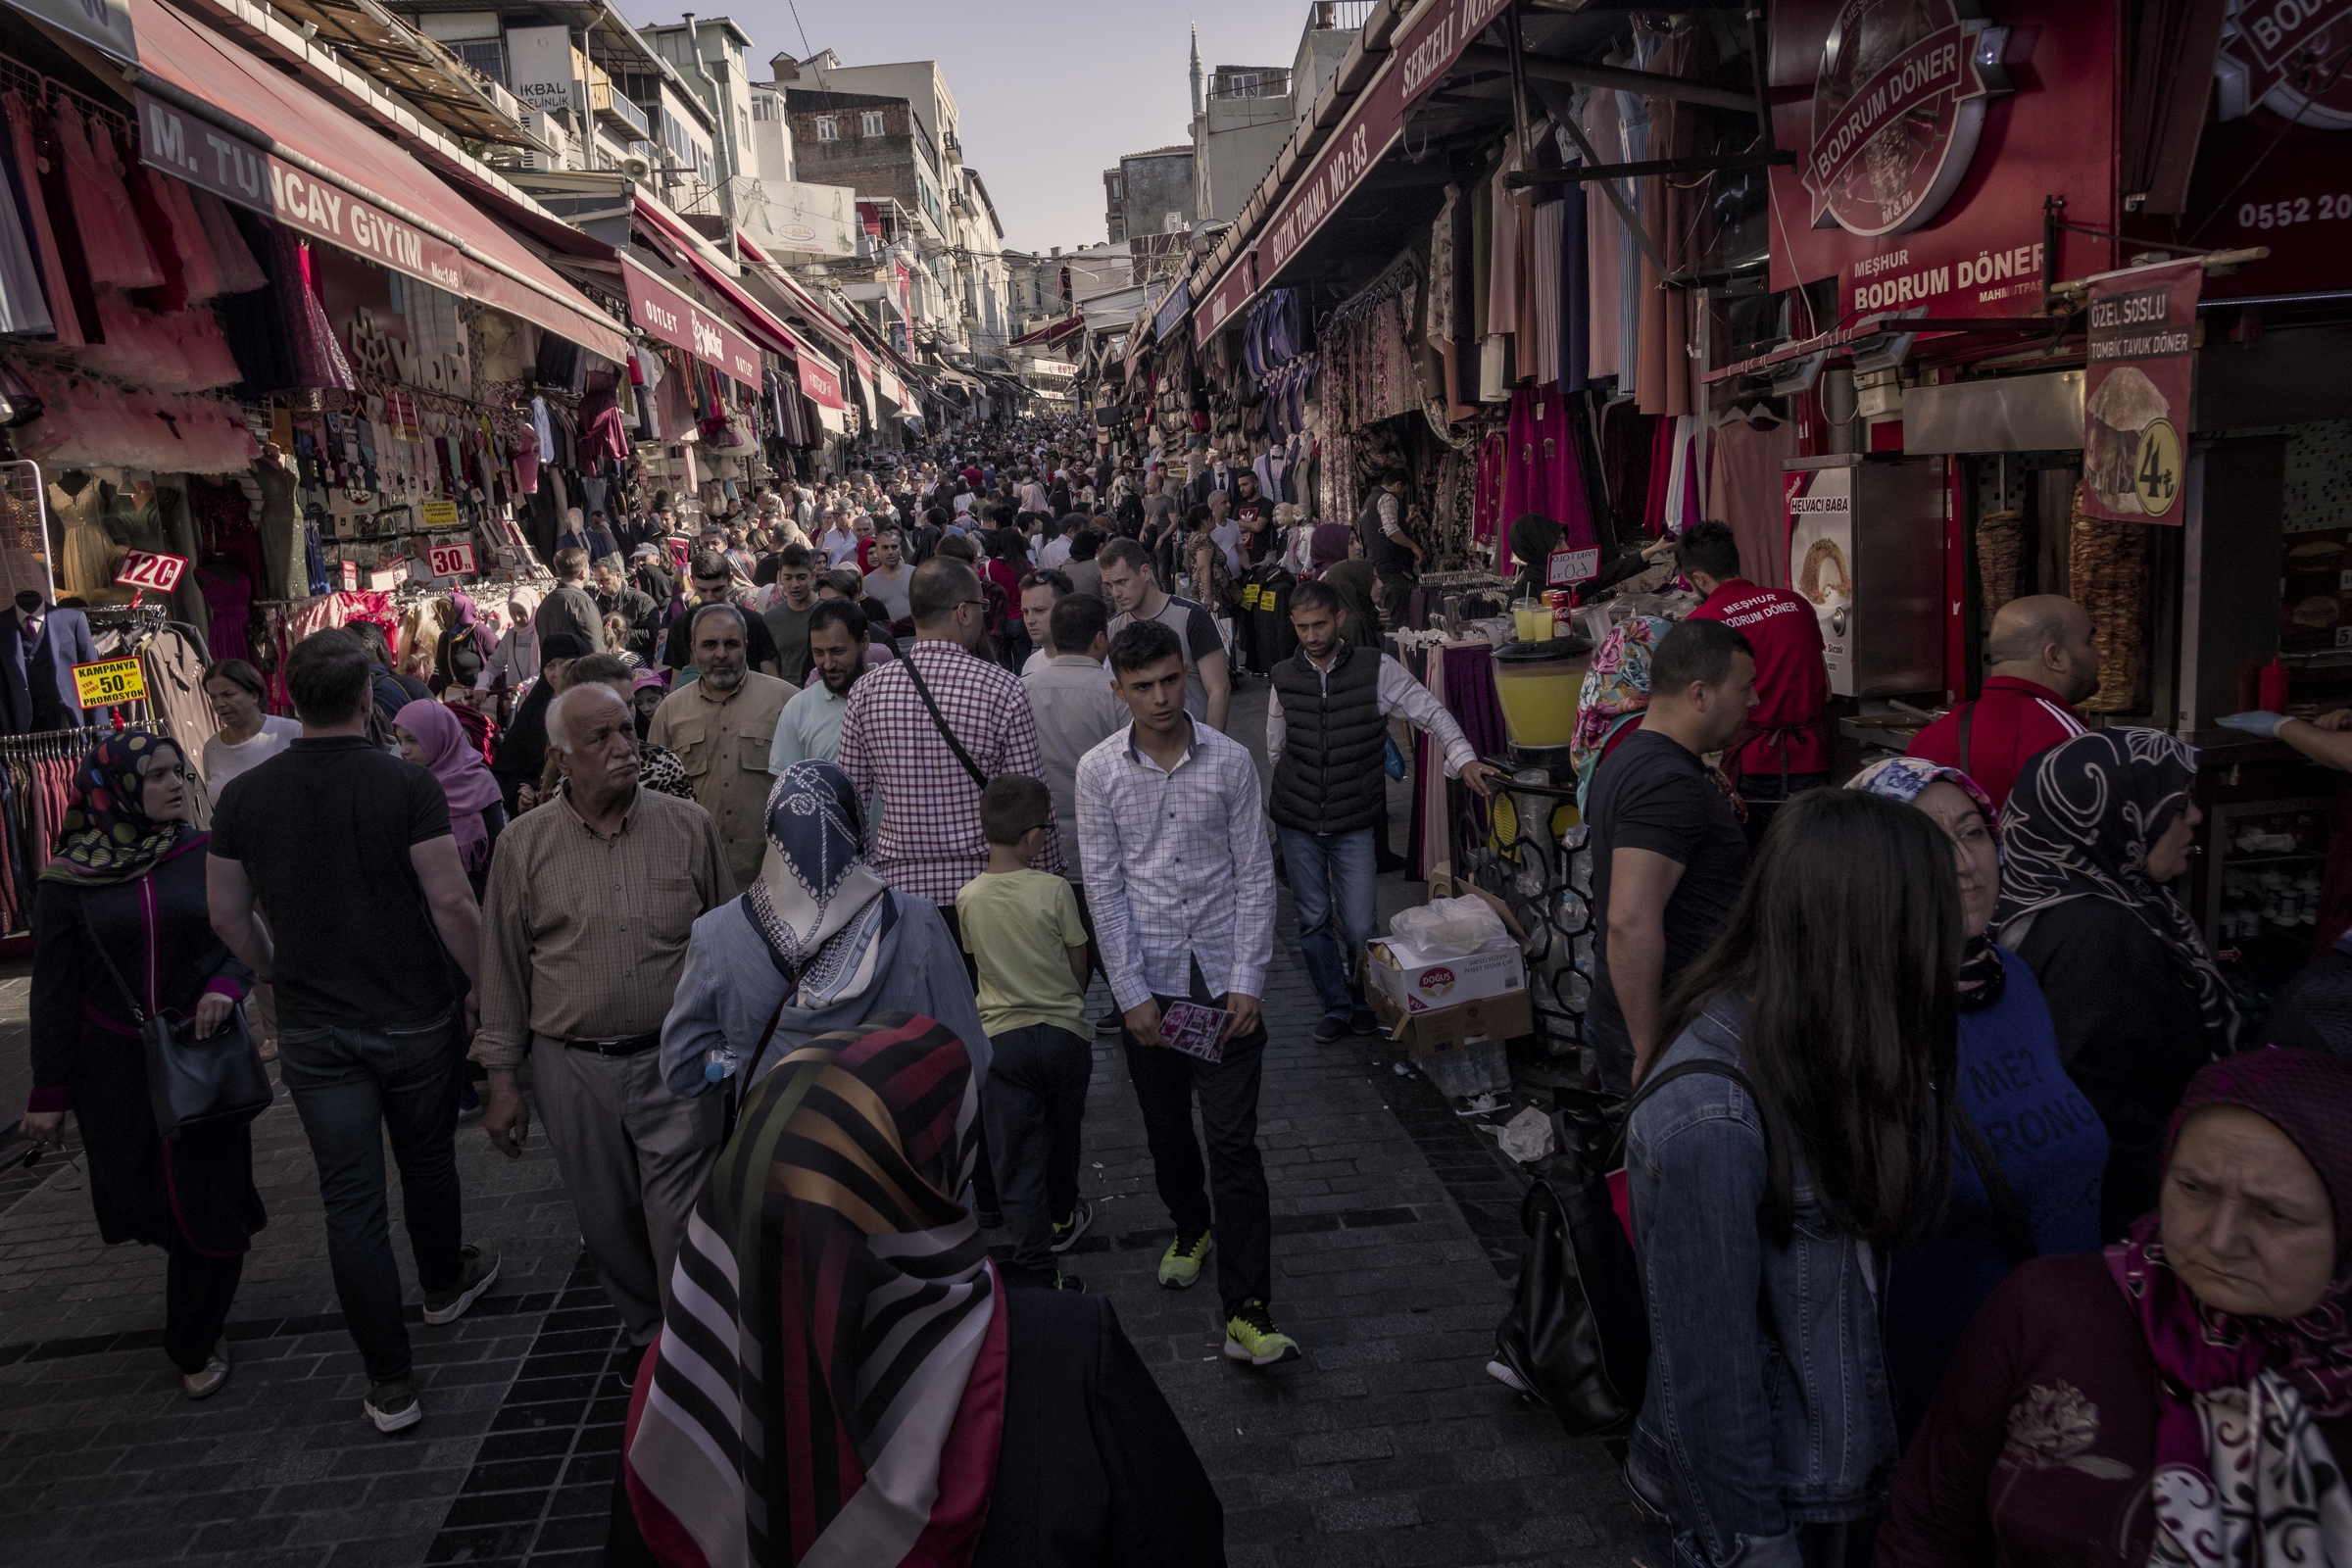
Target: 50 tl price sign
(109, 682)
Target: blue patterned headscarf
(106, 835)
(1983, 973)
(817, 905)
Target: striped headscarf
(829, 1383)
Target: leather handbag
(1577, 1336)
(194, 1085)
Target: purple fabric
(1541, 470)
(1470, 697)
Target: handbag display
(1577, 1336)
(194, 1085)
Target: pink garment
(1541, 471)
(112, 241)
(43, 238)
(1603, 231)
(465, 778)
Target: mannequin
(39, 645)
(281, 526)
(85, 555)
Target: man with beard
(722, 727)
(809, 728)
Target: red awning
(220, 117)
(676, 320)
(1047, 334)
(677, 243)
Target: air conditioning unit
(552, 134)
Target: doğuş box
(1417, 983)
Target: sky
(1050, 92)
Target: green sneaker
(1180, 1265)
(1250, 1336)
(447, 1304)
(392, 1405)
(1065, 1232)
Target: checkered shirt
(1177, 867)
(929, 843)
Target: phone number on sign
(2294, 210)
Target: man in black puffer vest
(1327, 727)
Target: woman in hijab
(522, 750)
(2029, 1149)
(465, 647)
(2181, 1397)
(828, 1259)
(515, 657)
(127, 889)
(2093, 835)
(1359, 619)
(1327, 545)
(431, 737)
(1533, 540)
(1614, 696)
(818, 943)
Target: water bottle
(718, 1064)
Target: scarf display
(829, 1383)
(2243, 1478)
(455, 760)
(819, 907)
(2079, 825)
(106, 836)
(1983, 976)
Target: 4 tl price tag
(1565, 566)
(451, 561)
(109, 682)
(141, 569)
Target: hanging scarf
(816, 906)
(106, 836)
(829, 1383)
(1984, 975)
(2079, 825)
(2243, 1477)
(458, 764)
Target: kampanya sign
(1897, 106)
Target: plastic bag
(1449, 928)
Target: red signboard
(451, 561)
(676, 320)
(1362, 137)
(1927, 138)
(141, 569)
(819, 383)
(2135, 383)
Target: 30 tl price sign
(108, 683)
(142, 568)
(451, 561)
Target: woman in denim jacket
(1766, 1436)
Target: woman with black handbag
(122, 935)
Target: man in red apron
(2043, 662)
(1783, 750)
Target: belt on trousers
(622, 1046)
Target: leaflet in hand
(1194, 1030)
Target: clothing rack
(46, 89)
(49, 744)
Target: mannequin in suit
(39, 645)
(1217, 476)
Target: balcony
(612, 108)
(1348, 15)
(1226, 86)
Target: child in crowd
(1022, 928)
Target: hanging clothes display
(1744, 490)
(1541, 471)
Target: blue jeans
(1331, 883)
(351, 1087)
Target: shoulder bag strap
(742, 1087)
(979, 778)
(138, 1015)
(1968, 717)
(2005, 1207)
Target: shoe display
(1250, 1336)
(1330, 1029)
(450, 1303)
(1064, 1232)
(392, 1405)
(1180, 1265)
(207, 1383)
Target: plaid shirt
(929, 844)
(1177, 867)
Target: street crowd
(1974, 1220)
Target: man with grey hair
(722, 727)
(590, 901)
(2043, 662)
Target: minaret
(1196, 71)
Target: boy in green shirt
(1022, 928)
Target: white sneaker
(207, 1383)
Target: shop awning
(679, 321)
(821, 383)
(418, 69)
(217, 115)
(820, 320)
(1049, 332)
(757, 320)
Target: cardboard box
(1424, 1034)
(1421, 983)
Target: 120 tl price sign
(451, 561)
(141, 569)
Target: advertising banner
(677, 321)
(1821, 555)
(2136, 390)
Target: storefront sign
(201, 154)
(141, 569)
(1172, 308)
(677, 321)
(109, 682)
(451, 561)
(1362, 137)
(821, 383)
(2136, 390)
(1897, 106)
(2287, 55)
(103, 24)
(439, 513)
(800, 219)
(539, 66)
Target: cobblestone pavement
(1396, 1230)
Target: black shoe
(1064, 1233)
(469, 1103)
(1111, 1023)
(989, 1219)
(1330, 1029)
(1364, 1022)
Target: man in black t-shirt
(1668, 853)
(345, 851)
